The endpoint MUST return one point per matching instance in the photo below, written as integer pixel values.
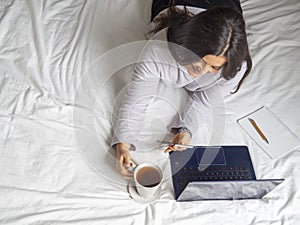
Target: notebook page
(281, 139)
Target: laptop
(217, 173)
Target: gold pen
(176, 145)
(261, 134)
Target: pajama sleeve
(140, 91)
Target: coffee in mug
(148, 178)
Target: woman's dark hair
(216, 31)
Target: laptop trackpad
(210, 156)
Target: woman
(206, 42)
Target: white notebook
(276, 139)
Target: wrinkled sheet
(64, 66)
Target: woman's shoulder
(160, 35)
(156, 60)
(158, 51)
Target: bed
(64, 66)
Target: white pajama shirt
(156, 65)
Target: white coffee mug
(148, 179)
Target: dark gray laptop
(217, 173)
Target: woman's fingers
(123, 168)
(124, 163)
(174, 148)
(169, 149)
(180, 139)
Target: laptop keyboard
(220, 173)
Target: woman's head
(215, 33)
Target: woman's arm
(140, 91)
(143, 86)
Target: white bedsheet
(63, 69)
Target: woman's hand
(124, 160)
(183, 138)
